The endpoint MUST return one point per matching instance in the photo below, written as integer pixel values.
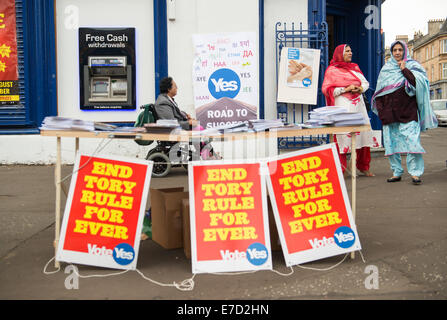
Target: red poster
(8, 52)
(103, 216)
(311, 205)
(229, 224)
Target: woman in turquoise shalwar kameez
(402, 102)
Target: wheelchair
(167, 155)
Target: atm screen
(100, 87)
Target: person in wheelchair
(166, 107)
(167, 154)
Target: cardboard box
(186, 229)
(166, 207)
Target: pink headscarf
(340, 74)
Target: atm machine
(107, 81)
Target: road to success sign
(311, 205)
(228, 214)
(104, 212)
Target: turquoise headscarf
(391, 78)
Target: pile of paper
(168, 122)
(234, 127)
(336, 116)
(106, 127)
(348, 119)
(62, 123)
(247, 126)
(264, 125)
(162, 126)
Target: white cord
(50, 272)
(284, 274)
(99, 275)
(188, 284)
(363, 258)
(185, 285)
(97, 150)
(324, 269)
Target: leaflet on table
(63, 123)
(336, 116)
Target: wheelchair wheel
(162, 164)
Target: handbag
(367, 103)
(146, 116)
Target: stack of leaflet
(235, 127)
(348, 119)
(168, 122)
(105, 126)
(336, 116)
(61, 123)
(247, 126)
(162, 126)
(264, 125)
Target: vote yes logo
(257, 254)
(224, 83)
(307, 82)
(344, 237)
(123, 254)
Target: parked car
(440, 109)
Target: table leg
(353, 178)
(64, 188)
(57, 181)
(76, 146)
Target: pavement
(401, 229)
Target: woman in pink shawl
(343, 85)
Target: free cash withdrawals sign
(228, 216)
(107, 45)
(310, 205)
(104, 213)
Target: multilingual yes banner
(310, 205)
(104, 213)
(228, 216)
(225, 78)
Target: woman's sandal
(368, 173)
(416, 180)
(394, 179)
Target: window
(443, 46)
(444, 71)
(427, 51)
(432, 73)
(432, 50)
(35, 42)
(12, 103)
